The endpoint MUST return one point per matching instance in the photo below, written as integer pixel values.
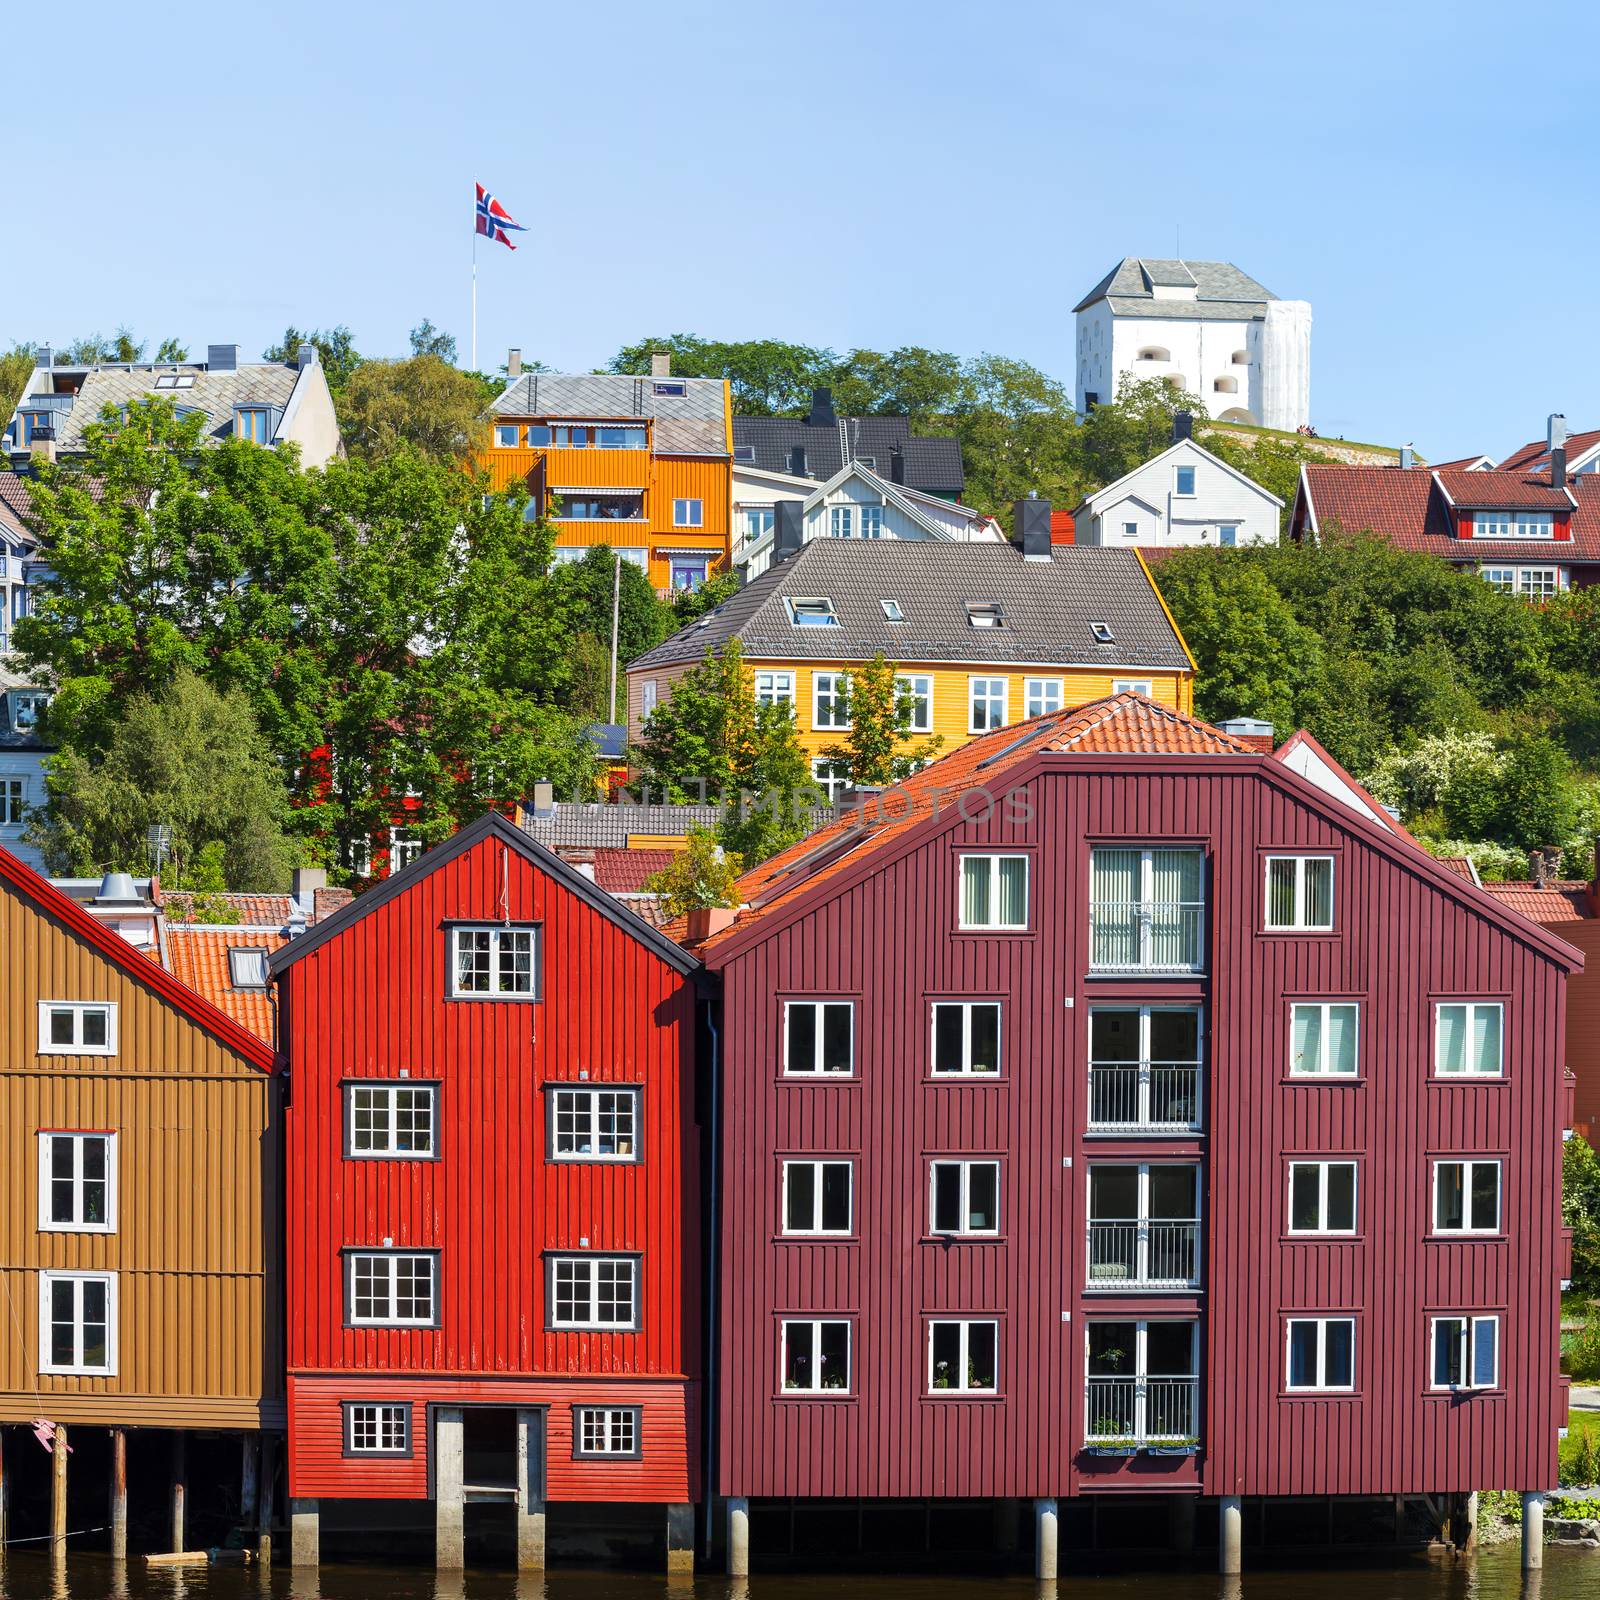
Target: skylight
(891, 609)
(983, 614)
(744, 452)
(1102, 633)
(814, 612)
(175, 380)
(671, 387)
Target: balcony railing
(1144, 1254)
(1144, 1097)
(1147, 935)
(1142, 1410)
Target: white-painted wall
(27, 765)
(1147, 497)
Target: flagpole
(474, 297)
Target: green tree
(190, 760)
(699, 877)
(172, 350)
(1018, 433)
(422, 402)
(689, 605)
(642, 620)
(427, 340)
(336, 350)
(124, 347)
(1536, 802)
(1580, 1211)
(924, 385)
(1136, 426)
(768, 377)
(878, 750)
(16, 367)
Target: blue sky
(869, 173)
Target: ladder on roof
(846, 453)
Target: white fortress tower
(1203, 326)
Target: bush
(1580, 1211)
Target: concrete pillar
(1046, 1541)
(738, 1537)
(1532, 1529)
(449, 1489)
(119, 1494)
(58, 1493)
(680, 1539)
(305, 1533)
(1230, 1535)
(530, 1491)
(1008, 1525)
(180, 1485)
(1183, 1509)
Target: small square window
(1300, 894)
(507, 435)
(966, 1038)
(1322, 1197)
(1466, 1352)
(817, 1197)
(594, 1124)
(495, 963)
(1041, 696)
(688, 513)
(815, 1356)
(1323, 1039)
(1185, 481)
(1468, 1039)
(372, 1429)
(984, 614)
(77, 1028)
(1102, 633)
(962, 1357)
(819, 1037)
(1466, 1197)
(994, 892)
(1322, 1353)
(247, 967)
(394, 1120)
(593, 1291)
(606, 1431)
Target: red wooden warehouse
(1122, 1108)
(493, 1237)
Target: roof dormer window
(745, 453)
(984, 614)
(814, 612)
(1102, 633)
(251, 422)
(1513, 525)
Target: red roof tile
(625, 871)
(1539, 451)
(1566, 901)
(1500, 490)
(1460, 865)
(251, 910)
(199, 957)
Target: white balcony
(1147, 936)
(1144, 1254)
(1144, 1097)
(1142, 1412)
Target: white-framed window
(1040, 696)
(871, 522)
(984, 614)
(405, 846)
(994, 892)
(830, 699)
(1466, 1352)
(392, 1288)
(1538, 583)
(494, 961)
(391, 1119)
(688, 513)
(892, 611)
(1142, 686)
(647, 699)
(1300, 893)
(78, 1323)
(1130, 532)
(964, 1197)
(507, 435)
(1499, 577)
(77, 1182)
(1322, 1197)
(774, 688)
(1513, 525)
(814, 1356)
(817, 1197)
(377, 1428)
(818, 1038)
(964, 1356)
(841, 521)
(1324, 1038)
(594, 1292)
(247, 966)
(966, 1038)
(832, 777)
(1146, 909)
(813, 611)
(77, 1028)
(1142, 1381)
(1466, 1197)
(986, 704)
(594, 1124)
(1145, 1069)
(606, 1431)
(1467, 1038)
(1228, 535)
(13, 794)
(919, 687)
(1183, 481)
(1144, 1225)
(1321, 1353)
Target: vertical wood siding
(890, 942)
(373, 1000)
(197, 1246)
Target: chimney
(513, 363)
(1536, 868)
(1182, 426)
(1552, 863)
(304, 882)
(788, 529)
(579, 856)
(797, 461)
(897, 465)
(661, 364)
(1251, 731)
(822, 409)
(305, 356)
(1408, 457)
(544, 799)
(44, 356)
(1556, 430)
(222, 358)
(1030, 528)
(1558, 467)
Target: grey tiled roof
(933, 465)
(1047, 607)
(1133, 279)
(609, 394)
(601, 826)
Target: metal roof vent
(116, 888)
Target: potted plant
(1184, 1446)
(1106, 1438)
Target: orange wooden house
(642, 464)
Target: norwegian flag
(494, 219)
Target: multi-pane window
(871, 522)
(688, 513)
(830, 700)
(986, 704)
(815, 1356)
(916, 688)
(1466, 1352)
(964, 1196)
(1466, 1197)
(507, 435)
(405, 846)
(594, 1291)
(1144, 1069)
(78, 1322)
(1143, 686)
(758, 522)
(13, 796)
(377, 1429)
(811, 611)
(1467, 1042)
(774, 688)
(994, 891)
(1041, 696)
(1513, 525)
(391, 1119)
(816, 1196)
(1322, 1197)
(1534, 583)
(495, 961)
(1322, 1353)
(1300, 893)
(1143, 1383)
(963, 1356)
(392, 1288)
(841, 521)
(1322, 1039)
(77, 1182)
(818, 1037)
(833, 778)
(1144, 1225)
(966, 1038)
(606, 1430)
(250, 424)
(77, 1028)
(1146, 909)
(594, 1124)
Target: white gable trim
(1182, 446)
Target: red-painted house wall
(886, 936)
(374, 1000)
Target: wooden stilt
(249, 1448)
(266, 1481)
(4, 1489)
(180, 1486)
(58, 1494)
(119, 1494)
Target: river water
(1569, 1574)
